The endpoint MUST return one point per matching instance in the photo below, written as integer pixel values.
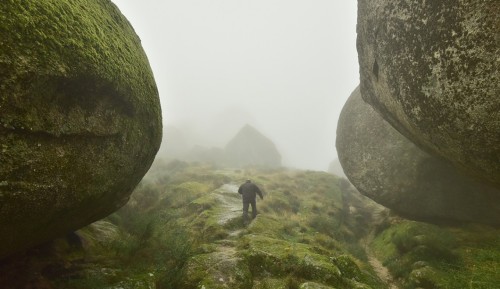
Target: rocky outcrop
(388, 168)
(250, 147)
(431, 69)
(80, 120)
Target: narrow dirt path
(230, 206)
(382, 271)
(230, 203)
(221, 266)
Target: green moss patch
(281, 258)
(80, 117)
(430, 256)
(219, 269)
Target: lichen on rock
(430, 68)
(80, 119)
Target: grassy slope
(183, 229)
(180, 223)
(429, 256)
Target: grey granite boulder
(385, 166)
(431, 68)
(80, 119)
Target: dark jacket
(249, 191)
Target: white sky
(284, 66)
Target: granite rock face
(80, 119)
(431, 69)
(388, 168)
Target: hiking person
(249, 192)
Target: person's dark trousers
(246, 204)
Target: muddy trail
(381, 271)
(226, 252)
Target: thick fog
(285, 67)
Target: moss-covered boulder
(80, 119)
(281, 258)
(385, 166)
(220, 269)
(431, 69)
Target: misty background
(286, 67)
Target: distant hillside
(250, 147)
